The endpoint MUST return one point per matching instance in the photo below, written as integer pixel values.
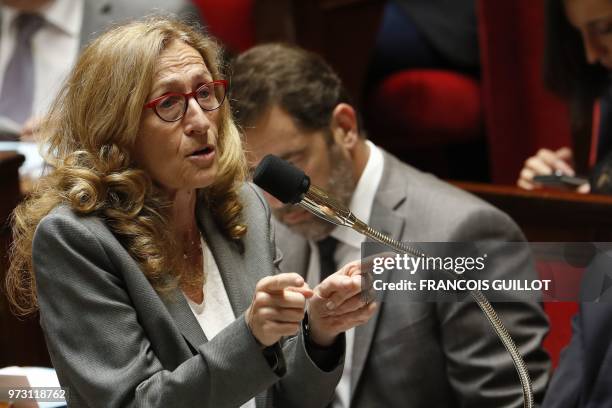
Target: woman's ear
(344, 126)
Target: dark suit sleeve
(479, 368)
(99, 348)
(564, 388)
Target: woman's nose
(196, 119)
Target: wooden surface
(550, 215)
(21, 341)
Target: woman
(578, 60)
(144, 246)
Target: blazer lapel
(230, 262)
(239, 276)
(294, 249)
(96, 15)
(183, 316)
(391, 194)
(228, 258)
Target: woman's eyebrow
(164, 84)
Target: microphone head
(281, 179)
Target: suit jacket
(437, 354)
(115, 343)
(584, 375)
(99, 15)
(450, 25)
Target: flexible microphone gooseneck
(292, 186)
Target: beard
(341, 184)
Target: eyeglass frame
(153, 104)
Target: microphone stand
(326, 207)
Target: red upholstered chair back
(230, 21)
(520, 115)
(566, 285)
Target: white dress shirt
(55, 47)
(348, 250)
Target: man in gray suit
(40, 41)
(439, 354)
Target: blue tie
(18, 83)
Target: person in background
(39, 43)
(578, 60)
(290, 103)
(583, 378)
(150, 259)
(421, 34)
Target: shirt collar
(363, 196)
(63, 14)
(67, 15)
(8, 16)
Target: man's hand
(277, 308)
(338, 305)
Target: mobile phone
(560, 180)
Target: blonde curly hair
(88, 136)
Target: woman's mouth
(204, 156)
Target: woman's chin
(202, 178)
(192, 183)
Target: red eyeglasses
(172, 106)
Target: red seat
(231, 21)
(560, 316)
(566, 285)
(423, 108)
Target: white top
(55, 47)
(215, 313)
(348, 250)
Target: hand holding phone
(548, 168)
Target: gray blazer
(115, 343)
(437, 354)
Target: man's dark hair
(298, 81)
(566, 70)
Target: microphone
(291, 185)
